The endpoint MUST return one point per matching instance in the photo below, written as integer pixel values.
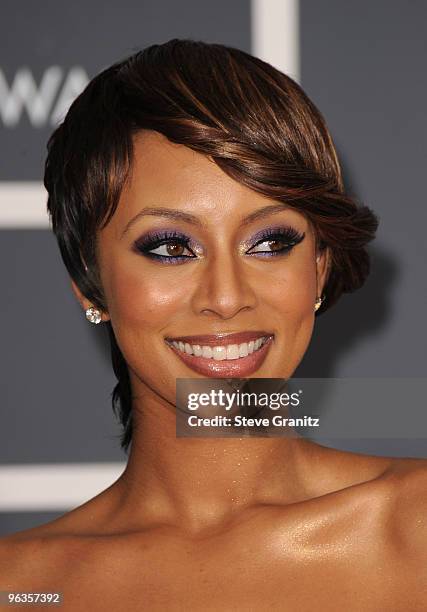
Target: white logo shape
(38, 101)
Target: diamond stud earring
(93, 315)
(318, 303)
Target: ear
(84, 302)
(323, 261)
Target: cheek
(290, 299)
(141, 304)
(292, 291)
(143, 300)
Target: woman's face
(217, 270)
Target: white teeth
(233, 351)
(221, 353)
(207, 352)
(243, 350)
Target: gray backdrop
(362, 63)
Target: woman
(198, 205)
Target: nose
(223, 288)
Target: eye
(278, 241)
(169, 247)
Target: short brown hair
(255, 122)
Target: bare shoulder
(62, 550)
(33, 557)
(58, 544)
(395, 505)
(43, 556)
(408, 505)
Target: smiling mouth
(225, 359)
(220, 352)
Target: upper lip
(221, 338)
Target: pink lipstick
(223, 355)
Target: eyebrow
(179, 215)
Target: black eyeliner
(156, 238)
(288, 235)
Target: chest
(239, 577)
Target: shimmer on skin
(222, 524)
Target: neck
(201, 482)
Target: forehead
(166, 174)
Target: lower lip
(244, 366)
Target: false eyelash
(288, 235)
(156, 239)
